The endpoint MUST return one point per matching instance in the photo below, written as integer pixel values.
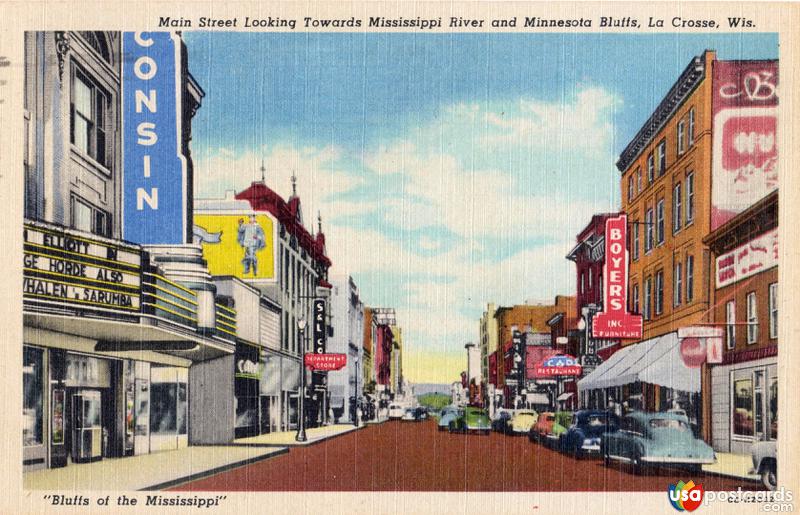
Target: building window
(743, 407)
(650, 168)
(648, 297)
(635, 240)
(691, 127)
(689, 278)
(773, 311)
(648, 235)
(600, 287)
(630, 187)
(590, 280)
(88, 107)
(659, 300)
(87, 218)
(677, 285)
(681, 127)
(752, 318)
(730, 324)
(662, 157)
(639, 180)
(677, 208)
(689, 198)
(583, 283)
(32, 396)
(635, 299)
(660, 222)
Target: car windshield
(550, 418)
(664, 423)
(596, 420)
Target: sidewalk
(287, 438)
(732, 465)
(154, 471)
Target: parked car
(409, 416)
(550, 426)
(471, 419)
(522, 421)
(448, 414)
(396, 411)
(420, 413)
(585, 433)
(501, 421)
(765, 463)
(656, 439)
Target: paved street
(408, 456)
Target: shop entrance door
(87, 429)
(141, 441)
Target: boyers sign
(615, 321)
(154, 182)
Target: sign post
(615, 321)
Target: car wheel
(769, 476)
(636, 462)
(577, 452)
(606, 455)
(452, 427)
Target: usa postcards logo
(685, 496)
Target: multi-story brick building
(668, 169)
(740, 394)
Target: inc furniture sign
(154, 182)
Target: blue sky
(451, 170)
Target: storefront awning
(564, 396)
(537, 398)
(655, 361)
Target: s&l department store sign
(68, 268)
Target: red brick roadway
(414, 456)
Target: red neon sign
(324, 362)
(615, 321)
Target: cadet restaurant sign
(69, 268)
(154, 182)
(615, 321)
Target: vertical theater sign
(154, 183)
(745, 146)
(615, 321)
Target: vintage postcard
(380, 257)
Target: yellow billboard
(241, 244)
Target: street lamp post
(356, 396)
(301, 414)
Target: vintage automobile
(447, 415)
(550, 426)
(420, 413)
(396, 411)
(501, 420)
(522, 421)
(409, 416)
(471, 419)
(585, 432)
(656, 439)
(765, 463)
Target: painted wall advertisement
(238, 244)
(755, 256)
(745, 145)
(154, 182)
